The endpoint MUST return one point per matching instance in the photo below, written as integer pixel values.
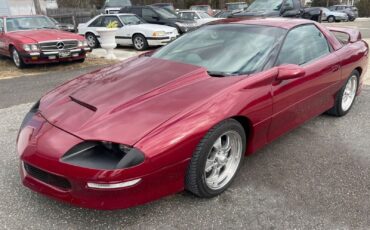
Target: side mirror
(290, 71)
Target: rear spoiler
(354, 34)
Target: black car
(156, 15)
(168, 6)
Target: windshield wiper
(220, 74)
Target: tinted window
(289, 4)
(136, 11)
(1, 24)
(109, 19)
(96, 22)
(302, 45)
(148, 14)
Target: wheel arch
(248, 128)
(359, 70)
(138, 33)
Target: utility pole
(36, 3)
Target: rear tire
(140, 43)
(346, 96)
(216, 159)
(17, 59)
(82, 60)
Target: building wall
(4, 8)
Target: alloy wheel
(349, 93)
(223, 160)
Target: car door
(2, 36)
(112, 18)
(124, 34)
(296, 100)
(150, 16)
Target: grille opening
(46, 177)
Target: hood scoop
(83, 104)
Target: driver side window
(1, 25)
(149, 14)
(302, 45)
(288, 4)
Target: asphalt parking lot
(315, 177)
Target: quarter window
(96, 22)
(109, 19)
(302, 45)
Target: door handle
(335, 68)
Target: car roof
(119, 14)
(285, 23)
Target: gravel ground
(317, 176)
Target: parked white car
(200, 17)
(132, 31)
(333, 16)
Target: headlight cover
(103, 155)
(30, 47)
(159, 33)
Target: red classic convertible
(35, 40)
(184, 116)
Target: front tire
(92, 41)
(331, 19)
(346, 96)
(140, 42)
(17, 59)
(216, 159)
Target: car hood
(256, 14)
(155, 27)
(125, 102)
(44, 35)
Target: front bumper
(41, 146)
(160, 41)
(54, 56)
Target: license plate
(64, 54)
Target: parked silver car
(333, 16)
(351, 11)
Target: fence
(73, 16)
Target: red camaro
(35, 40)
(184, 116)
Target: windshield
(204, 15)
(202, 8)
(29, 23)
(165, 13)
(117, 3)
(265, 5)
(131, 20)
(224, 49)
(238, 6)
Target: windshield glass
(131, 19)
(238, 6)
(29, 23)
(165, 13)
(204, 15)
(265, 5)
(202, 8)
(227, 49)
(117, 3)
